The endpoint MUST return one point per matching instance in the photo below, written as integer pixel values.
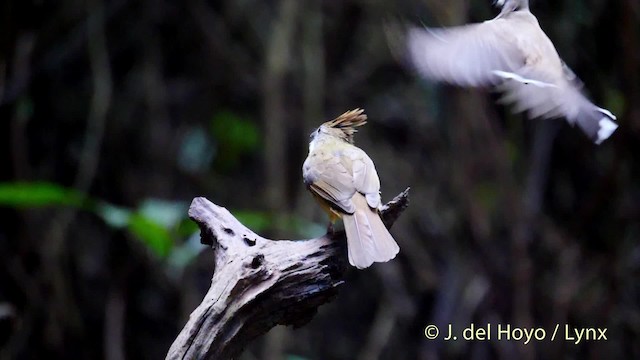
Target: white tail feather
(607, 127)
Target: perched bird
(513, 52)
(344, 180)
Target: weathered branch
(259, 283)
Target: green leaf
(39, 194)
(150, 224)
(186, 227)
(152, 234)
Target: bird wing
(536, 91)
(514, 52)
(365, 176)
(531, 89)
(464, 55)
(329, 178)
(337, 175)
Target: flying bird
(512, 52)
(344, 181)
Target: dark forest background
(115, 114)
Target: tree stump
(259, 283)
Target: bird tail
(541, 99)
(597, 123)
(368, 240)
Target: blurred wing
(515, 53)
(533, 90)
(326, 176)
(464, 55)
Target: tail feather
(566, 100)
(368, 240)
(596, 122)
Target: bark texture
(259, 283)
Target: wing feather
(327, 176)
(514, 53)
(365, 176)
(464, 55)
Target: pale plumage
(344, 180)
(512, 52)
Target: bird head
(343, 127)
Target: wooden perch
(259, 283)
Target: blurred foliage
(39, 194)
(153, 234)
(259, 221)
(151, 223)
(511, 221)
(235, 136)
(156, 223)
(197, 150)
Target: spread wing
(544, 96)
(514, 52)
(336, 176)
(464, 55)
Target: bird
(344, 181)
(511, 52)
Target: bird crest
(347, 123)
